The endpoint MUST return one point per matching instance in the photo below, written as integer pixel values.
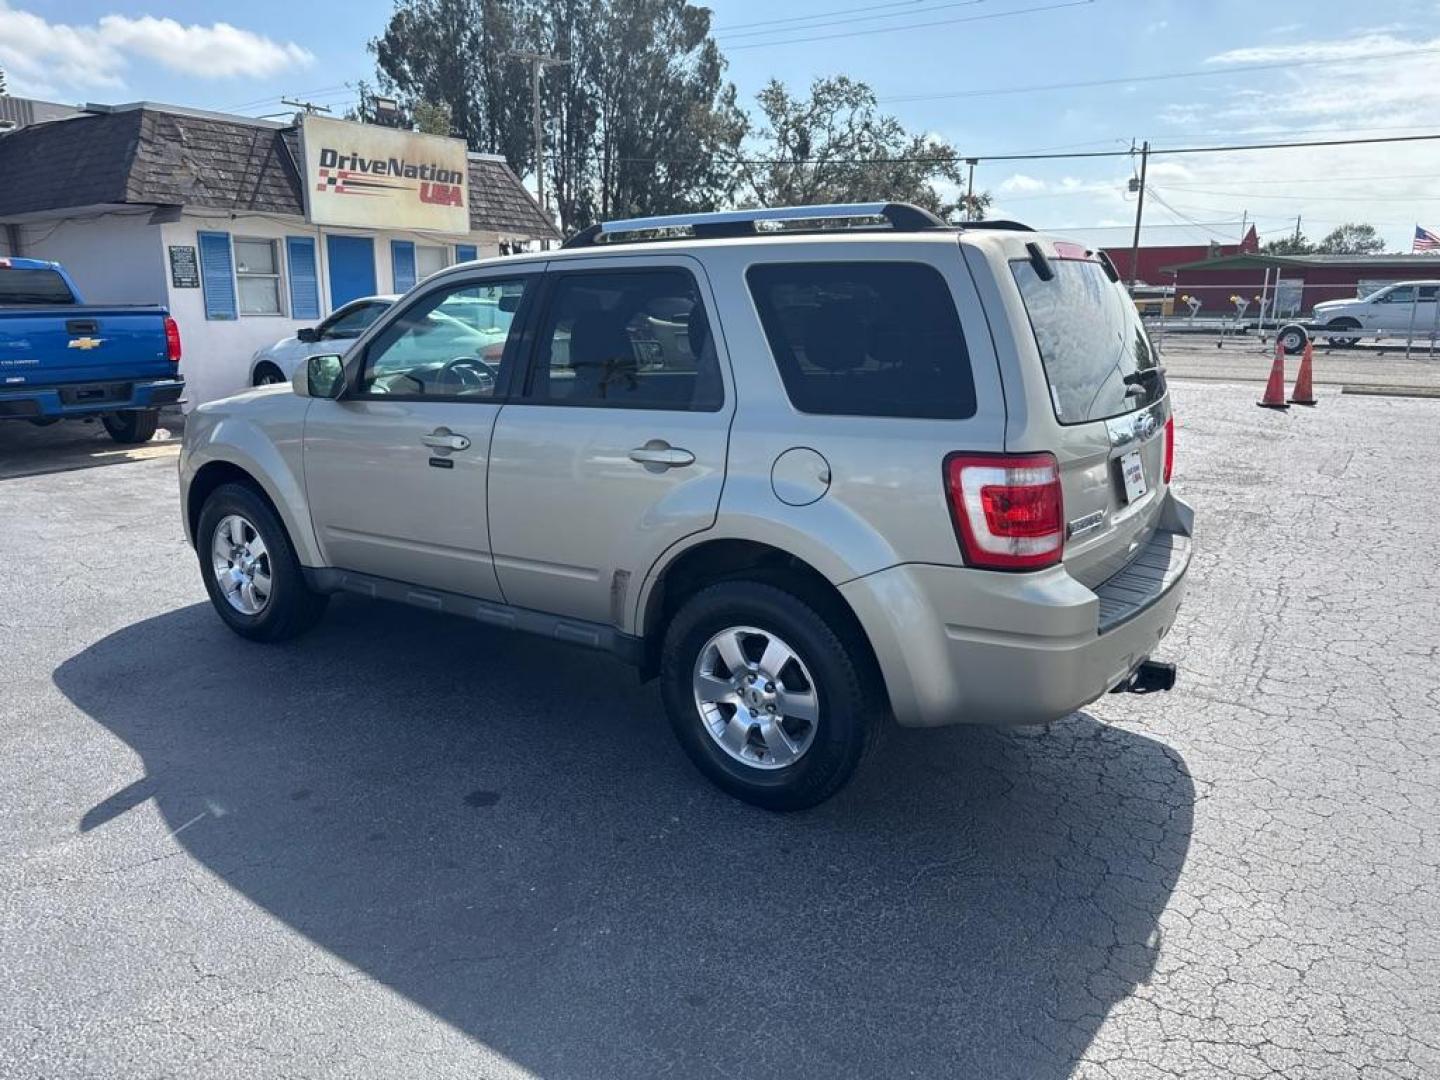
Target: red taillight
(172, 340)
(1008, 509)
(1169, 448)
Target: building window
(429, 259)
(257, 272)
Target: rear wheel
(250, 569)
(132, 427)
(767, 699)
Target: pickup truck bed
(61, 360)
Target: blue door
(352, 268)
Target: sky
(992, 77)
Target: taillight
(1169, 448)
(172, 340)
(1008, 509)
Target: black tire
(851, 705)
(1292, 339)
(132, 427)
(293, 607)
(1339, 333)
(268, 375)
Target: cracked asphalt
(408, 846)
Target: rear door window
(865, 338)
(1092, 343)
(33, 287)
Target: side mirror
(308, 334)
(320, 377)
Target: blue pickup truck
(61, 358)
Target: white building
(240, 226)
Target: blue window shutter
(465, 253)
(304, 281)
(217, 275)
(402, 261)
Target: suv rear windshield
(33, 287)
(1090, 338)
(865, 338)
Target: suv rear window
(33, 287)
(1090, 338)
(865, 338)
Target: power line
(913, 26)
(726, 28)
(931, 159)
(1160, 77)
(723, 36)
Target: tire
(268, 375)
(1343, 340)
(1292, 339)
(843, 695)
(290, 607)
(132, 427)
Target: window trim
(282, 299)
(511, 360)
(939, 274)
(545, 297)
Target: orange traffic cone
(1275, 389)
(1304, 392)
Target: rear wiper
(1144, 375)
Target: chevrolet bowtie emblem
(86, 342)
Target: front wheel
(770, 701)
(1338, 335)
(250, 569)
(132, 427)
(268, 375)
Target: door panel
(395, 471)
(381, 506)
(617, 449)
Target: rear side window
(1091, 341)
(865, 338)
(33, 287)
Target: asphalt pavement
(405, 845)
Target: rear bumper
(961, 646)
(88, 399)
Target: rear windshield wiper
(1144, 381)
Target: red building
(1154, 263)
(1296, 283)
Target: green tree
(1352, 238)
(1289, 244)
(836, 146)
(432, 117)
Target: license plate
(1133, 471)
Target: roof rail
(902, 217)
(998, 223)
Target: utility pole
(538, 62)
(306, 106)
(1139, 210)
(1297, 228)
(970, 190)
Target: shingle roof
(152, 156)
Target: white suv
(814, 468)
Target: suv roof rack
(902, 217)
(998, 223)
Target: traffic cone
(1304, 393)
(1275, 389)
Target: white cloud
(42, 57)
(1021, 182)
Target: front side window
(448, 343)
(1402, 294)
(257, 273)
(1092, 343)
(628, 339)
(865, 338)
(351, 323)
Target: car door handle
(444, 439)
(659, 453)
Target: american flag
(1425, 240)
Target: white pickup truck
(1405, 308)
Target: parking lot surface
(409, 846)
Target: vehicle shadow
(28, 450)
(503, 830)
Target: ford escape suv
(813, 468)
